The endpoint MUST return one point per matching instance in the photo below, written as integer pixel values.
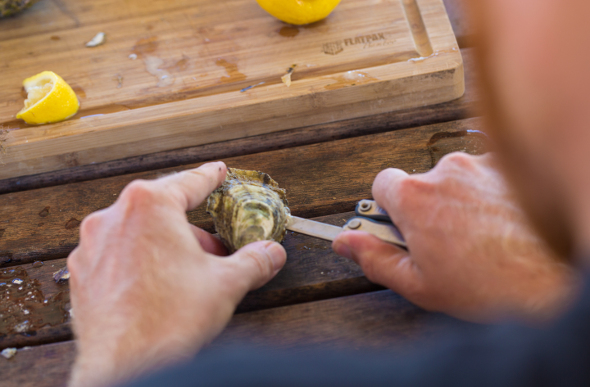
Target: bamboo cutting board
(190, 72)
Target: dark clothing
(500, 356)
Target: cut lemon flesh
(49, 99)
(299, 12)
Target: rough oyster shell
(248, 207)
(12, 7)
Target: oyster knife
(370, 218)
(313, 228)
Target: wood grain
(67, 14)
(448, 111)
(320, 179)
(200, 35)
(313, 272)
(41, 366)
(372, 320)
(389, 55)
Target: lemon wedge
(49, 99)
(299, 12)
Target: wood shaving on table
(287, 77)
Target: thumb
(382, 262)
(257, 263)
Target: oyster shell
(12, 7)
(248, 207)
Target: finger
(209, 243)
(382, 262)
(191, 187)
(257, 263)
(384, 185)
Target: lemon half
(299, 12)
(49, 99)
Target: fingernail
(342, 249)
(277, 255)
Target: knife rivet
(354, 224)
(365, 205)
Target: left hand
(147, 287)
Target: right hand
(472, 253)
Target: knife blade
(385, 231)
(313, 228)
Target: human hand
(147, 287)
(471, 252)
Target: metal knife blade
(313, 228)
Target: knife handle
(387, 232)
(369, 209)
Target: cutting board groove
(369, 57)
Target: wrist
(555, 298)
(102, 366)
(132, 352)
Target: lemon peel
(299, 12)
(49, 99)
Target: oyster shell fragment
(248, 207)
(12, 7)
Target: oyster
(12, 7)
(248, 207)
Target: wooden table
(318, 298)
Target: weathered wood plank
(260, 300)
(320, 179)
(372, 320)
(313, 272)
(29, 300)
(43, 366)
(454, 110)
